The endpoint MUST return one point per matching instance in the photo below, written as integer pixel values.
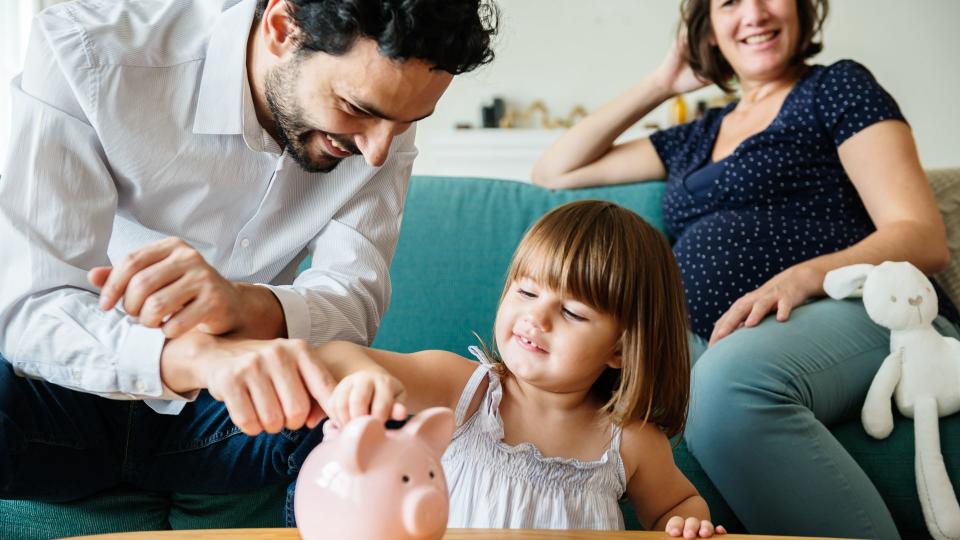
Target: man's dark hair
(708, 62)
(450, 35)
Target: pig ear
(434, 427)
(847, 281)
(361, 438)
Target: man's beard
(293, 133)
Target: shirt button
(245, 243)
(141, 387)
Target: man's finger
(160, 305)
(146, 283)
(98, 275)
(241, 410)
(293, 397)
(266, 403)
(317, 414)
(318, 379)
(135, 261)
(181, 322)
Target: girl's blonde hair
(611, 259)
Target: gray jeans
(761, 401)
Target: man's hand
(265, 385)
(169, 285)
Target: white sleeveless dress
(495, 485)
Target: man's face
(327, 108)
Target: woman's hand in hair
(674, 74)
(782, 293)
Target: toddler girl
(573, 408)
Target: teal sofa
(457, 238)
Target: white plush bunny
(922, 373)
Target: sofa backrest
(458, 235)
(456, 241)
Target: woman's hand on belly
(782, 293)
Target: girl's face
(552, 342)
(757, 37)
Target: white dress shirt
(133, 121)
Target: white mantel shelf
(507, 154)
(486, 153)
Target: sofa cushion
(113, 511)
(127, 509)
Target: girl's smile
(529, 344)
(554, 342)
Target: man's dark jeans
(58, 445)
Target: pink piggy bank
(365, 482)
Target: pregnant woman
(813, 168)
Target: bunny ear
(434, 427)
(361, 437)
(847, 281)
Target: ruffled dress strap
(473, 384)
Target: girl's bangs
(574, 265)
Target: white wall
(569, 52)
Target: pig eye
(431, 474)
(406, 479)
(893, 299)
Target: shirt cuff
(138, 371)
(295, 311)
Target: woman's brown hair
(608, 257)
(708, 62)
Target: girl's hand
(785, 291)
(675, 75)
(369, 392)
(693, 528)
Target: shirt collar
(220, 101)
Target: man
(204, 150)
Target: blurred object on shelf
(525, 118)
(701, 109)
(720, 100)
(463, 125)
(678, 110)
(493, 114)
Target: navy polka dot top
(781, 198)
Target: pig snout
(424, 512)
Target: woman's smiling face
(759, 38)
